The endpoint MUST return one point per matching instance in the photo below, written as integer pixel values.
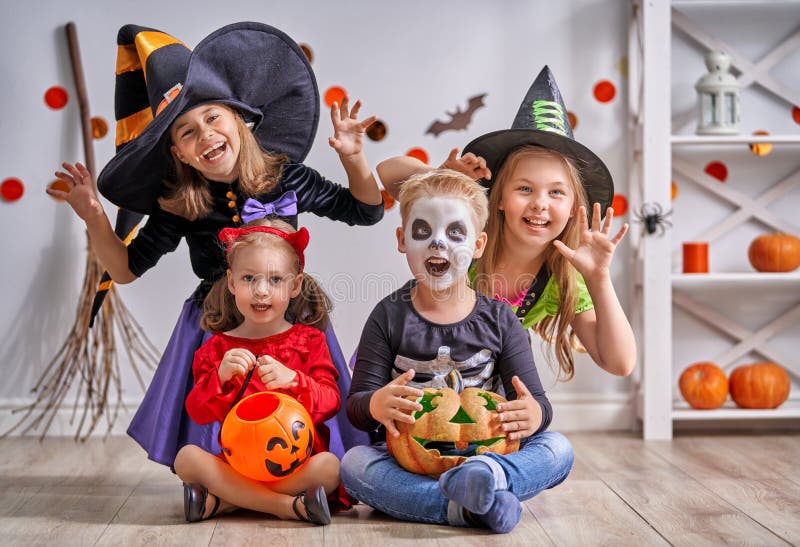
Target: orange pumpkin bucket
(267, 436)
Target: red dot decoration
(99, 127)
(796, 114)
(718, 170)
(334, 94)
(56, 97)
(604, 91)
(620, 205)
(12, 189)
(388, 201)
(418, 153)
(573, 119)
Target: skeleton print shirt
(486, 349)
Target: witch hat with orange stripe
(252, 67)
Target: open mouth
(215, 152)
(461, 448)
(536, 223)
(437, 266)
(261, 307)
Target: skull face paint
(439, 241)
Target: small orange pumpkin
(774, 253)
(760, 385)
(267, 436)
(704, 385)
(449, 428)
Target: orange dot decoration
(388, 201)
(673, 191)
(58, 184)
(12, 189)
(573, 119)
(334, 94)
(620, 204)
(377, 131)
(604, 91)
(761, 148)
(418, 153)
(718, 170)
(99, 127)
(56, 97)
(796, 115)
(306, 49)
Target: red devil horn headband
(298, 240)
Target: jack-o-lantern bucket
(449, 428)
(267, 436)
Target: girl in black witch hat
(548, 256)
(213, 138)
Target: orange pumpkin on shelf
(760, 385)
(449, 428)
(704, 385)
(774, 253)
(267, 436)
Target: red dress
(300, 348)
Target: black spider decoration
(654, 218)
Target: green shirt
(548, 301)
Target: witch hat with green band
(542, 120)
(254, 68)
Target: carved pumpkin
(775, 253)
(704, 386)
(449, 428)
(267, 436)
(760, 385)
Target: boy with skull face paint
(436, 331)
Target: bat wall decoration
(458, 120)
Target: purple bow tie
(284, 206)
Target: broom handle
(83, 99)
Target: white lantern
(718, 97)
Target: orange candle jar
(695, 257)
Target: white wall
(409, 61)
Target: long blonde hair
(189, 196)
(310, 307)
(553, 328)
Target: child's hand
(469, 164)
(235, 362)
(522, 416)
(593, 256)
(348, 132)
(388, 404)
(275, 374)
(81, 195)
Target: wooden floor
(695, 490)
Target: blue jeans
(372, 475)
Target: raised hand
(81, 195)
(469, 164)
(592, 257)
(235, 362)
(275, 374)
(348, 132)
(388, 404)
(522, 416)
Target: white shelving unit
(661, 295)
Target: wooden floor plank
(587, 512)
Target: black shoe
(194, 502)
(316, 505)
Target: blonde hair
(310, 307)
(445, 183)
(553, 328)
(189, 196)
